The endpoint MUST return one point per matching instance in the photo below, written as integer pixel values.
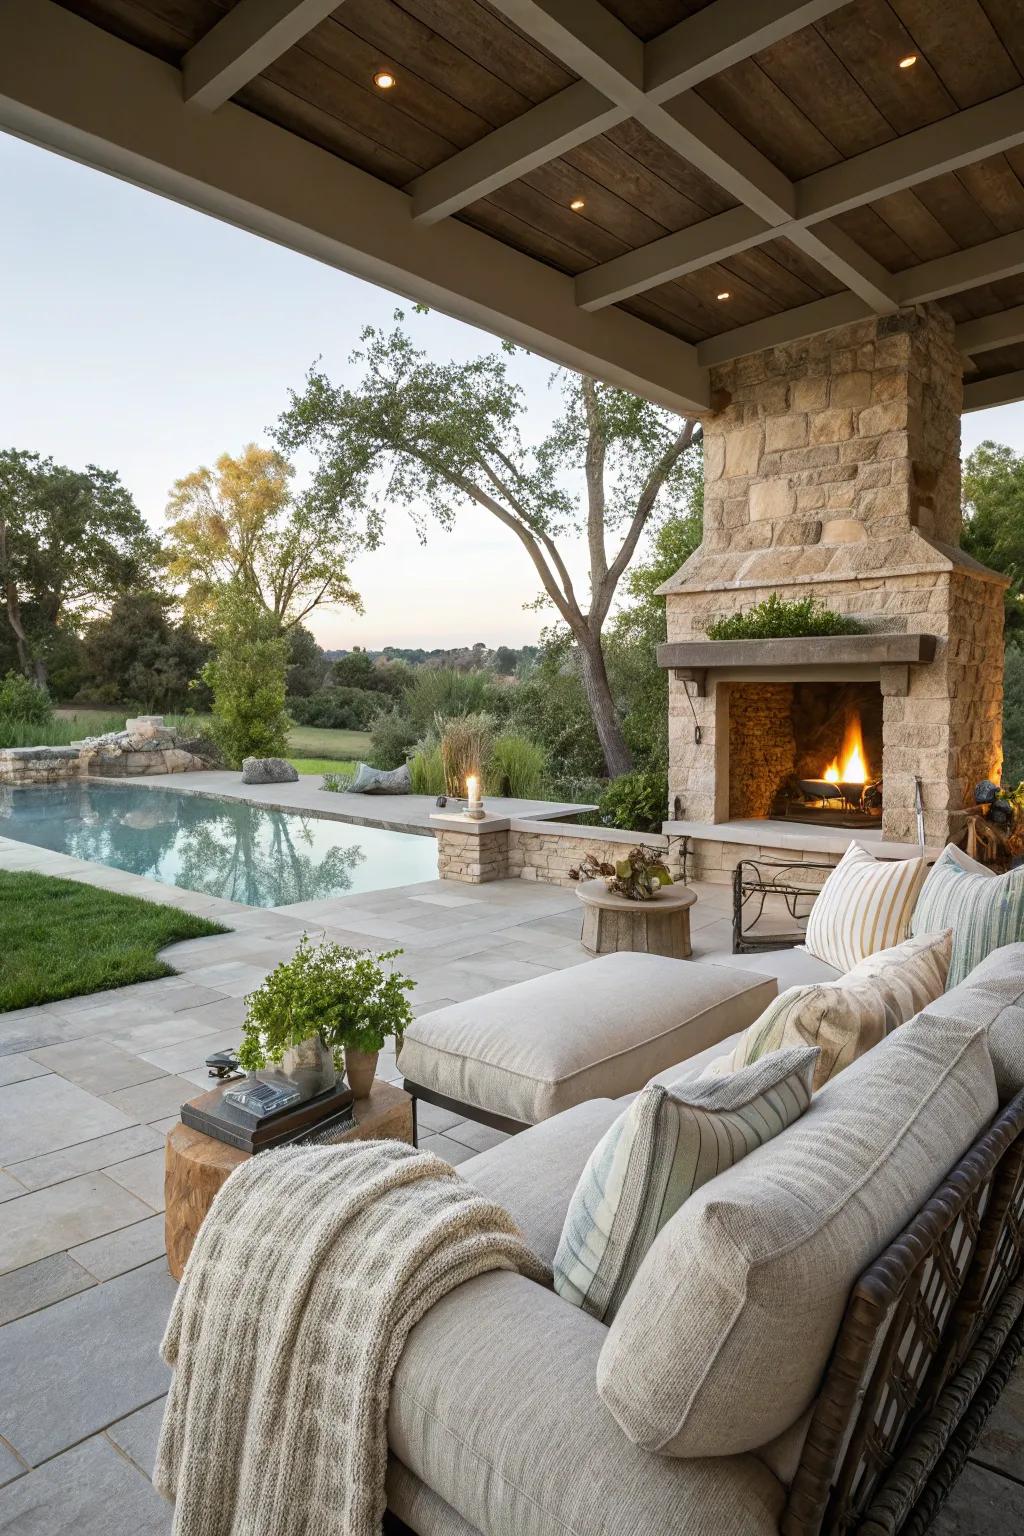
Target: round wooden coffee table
(195, 1165)
(660, 926)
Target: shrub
(636, 802)
(427, 770)
(776, 618)
(247, 676)
(336, 709)
(446, 692)
(466, 745)
(55, 732)
(516, 767)
(1013, 715)
(337, 783)
(22, 701)
(392, 737)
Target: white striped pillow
(847, 1017)
(666, 1145)
(865, 905)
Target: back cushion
(983, 909)
(992, 998)
(722, 1339)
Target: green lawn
(309, 741)
(322, 765)
(62, 938)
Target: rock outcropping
(145, 746)
(268, 770)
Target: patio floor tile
(86, 1157)
(10, 1465)
(100, 1346)
(142, 1176)
(138, 1435)
(118, 1252)
(1001, 1444)
(153, 1101)
(63, 1216)
(9, 1188)
(442, 1146)
(90, 1491)
(39, 1285)
(17, 1069)
(18, 1036)
(982, 1503)
(48, 1113)
(96, 1065)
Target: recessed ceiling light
(909, 61)
(725, 295)
(577, 205)
(384, 80)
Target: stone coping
(876, 648)
(455, 822)
(798, 836)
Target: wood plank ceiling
(809, 104)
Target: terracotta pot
(360, 1068)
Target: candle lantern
(474, 804)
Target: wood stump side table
(195, 1166)
(660, 926)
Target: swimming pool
(223, 848)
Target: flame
(853, 768)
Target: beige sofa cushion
(847, 1017)
(591, 1031)
(494, 1406)
(992, 997)
(722, 1340)
(533, 1175)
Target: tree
(247, 677)
(137, 654)
(240, 522)
(71, 541)
(445, 436)
(993, 521)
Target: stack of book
(315, 1122)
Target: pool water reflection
(220, 847)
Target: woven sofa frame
(930, 1335)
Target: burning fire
(853, 768)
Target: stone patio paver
(118, 1252)
(62, 1216)
(86, 1157)
(92, 1490)
(39, 1285)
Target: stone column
(832, 470)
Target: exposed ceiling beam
(243, 43)
(991, 331)
(720, 35)
(964, 138)
(1002, 390)
(985, 263)
(837, 253)
(778, 330)
(589, 40)
(72, 87)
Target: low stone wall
(715, 861)
(145, 746)
(538, 850)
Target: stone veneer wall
(544, 851)
(144, 747)
(832, 470)
(762, 746)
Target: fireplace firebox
(806, 751)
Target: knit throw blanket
(304, 1282)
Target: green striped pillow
(666, 1145)
(983, 909)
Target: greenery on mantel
(777, 619)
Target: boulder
(378, 781)
(267, 770)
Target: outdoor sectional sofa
(811, 1345)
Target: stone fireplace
(832, 470)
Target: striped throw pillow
(666, 1145)
(847, 1017)
(984, 910)
(864, 905)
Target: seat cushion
(992, 997)
(794, 967)
(984, 910)
(864, 905)
(494, 1406)
(591, 1031)
(419, 1507)
(723, 1338)
(667, 1144)
(533, 1175)
(847, 1017)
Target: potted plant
(325, 1010)
(640, 876)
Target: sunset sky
(147, 338)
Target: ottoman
(525, 1053)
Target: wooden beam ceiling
(243, 43)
